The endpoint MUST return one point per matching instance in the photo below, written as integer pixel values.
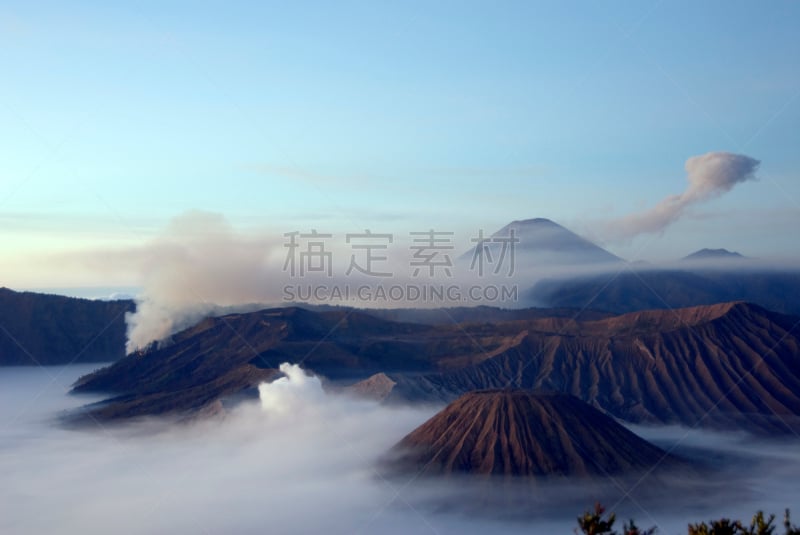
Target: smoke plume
(197, 264)
(709, 175)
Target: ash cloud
(709, 175)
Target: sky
(400, 117)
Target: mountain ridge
(45, 329)
(714, 254)
(670, 367)
(734, 370)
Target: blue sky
(390, 116)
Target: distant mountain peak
(535, 221)
(376, 387)
(545, 242)
(534, 224)
(714, 254)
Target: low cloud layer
(709, 175)
(301, 461)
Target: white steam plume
(289, 394)
(199, 262)
(710, 175)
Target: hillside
(51, 329)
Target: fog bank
(305, 468)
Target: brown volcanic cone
(521, 433)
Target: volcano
(522, 433)
(542, 242)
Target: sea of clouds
(299, 461)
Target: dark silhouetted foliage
(593, 523)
